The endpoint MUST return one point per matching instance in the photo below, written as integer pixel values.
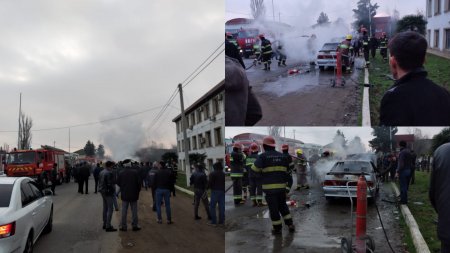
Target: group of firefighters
(268, 172)
(351, 47)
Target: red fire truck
(34, 163)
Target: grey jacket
(440, 190)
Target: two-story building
(438, 26)
(205, 127)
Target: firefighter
(365, 44)
(233, 41)
(383, 46)
(53, 177)
(257, 51)
(254, 177)
(356, 47)
(232, 50)
(281, 53)
(273, 166)
(344, 49)
(237, 159)
(373, 46)
(245, 179)
(266, 51)
(300, 164)
(289, 181)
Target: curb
(184, 190)
(419, 243)
(365, 103)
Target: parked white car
(25, 213)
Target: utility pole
(273, 11)
(69, 140)
(370, 21)
(294, 134)
(185, 139)
(20, 127)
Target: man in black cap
(107, 189)
(404, 171)
(130, 183)
(84, 173)
(200, 182)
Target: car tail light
(338, 183)
(7, 230)
(320, 57)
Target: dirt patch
(185, 235)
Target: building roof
(404, 137)
(210, 94)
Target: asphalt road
(77, 227)
(319, 228)
(306, 98)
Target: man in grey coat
(440, 193)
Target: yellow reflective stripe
(276, 222)
(343, 46)
(249, 164)
(268, 52)
(237, 197)
(236, 174)
(273, 186)
(287, 216)
(256, 169)
(274, 169)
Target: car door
(42, 205)
(29, 206)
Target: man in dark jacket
(373, 46)
(151, 182)
(163, 182)
(241, 105)
(232, 51)
(96, 175)
(237, 160)
(107, 189)
(413, 100)
(200, 182)
(404, 171)
(129, 182)
(53, 177)
(217, 185)
(440, 193)
(83, 175)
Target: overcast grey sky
(306, 12)
(324, 135)
(89, 60)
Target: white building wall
(439, 21)
(214, 153)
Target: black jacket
(440, 190)
(199, 180)
(273, 165)
(106, 182)
(85, 171)
(415, 100)
(232, 51)
(405, 160)
(216, 180)
(163, 179)
(237, 163)
(129, 182)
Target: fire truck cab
(36, 163)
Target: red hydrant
(361, 214)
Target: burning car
(346, 173)
(327, 56)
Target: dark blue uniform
(237, 161)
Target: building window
(429, 9)
(447, 5)
(447, 39)
(192, 116)
(208, 139)
(437, 7)
(218, 136)
(194, 142)
(216, 106)
(178, 126)
(201, 141)
(210, 164)
(429, 38)
(199, 116)
(206, 111)
(436, 39)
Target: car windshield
(247, 34)
(351, 167)
(5, 197)
(330, 47)
(21, 158)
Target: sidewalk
(185, 235)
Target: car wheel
(29, 244)
(346, 245)
(49, 226)
(329, 199)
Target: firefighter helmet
(261, 35)
(299, 151)
(383, 34)
(269, 141)
(237, 145)
(254, 147)
(349, 37)
(285, 147)
(363, 29)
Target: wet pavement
(305, 97)
(319, 228)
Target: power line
(204, 67)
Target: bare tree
(258, 8)
(275, 131)
(25, 132)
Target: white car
(25, 213)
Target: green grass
(438, 71)
(423, 214)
